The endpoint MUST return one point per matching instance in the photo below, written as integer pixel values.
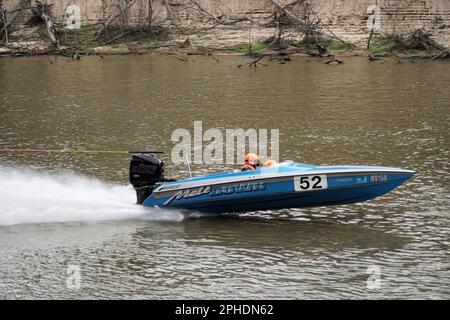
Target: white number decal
(305, 183)
(73, 13)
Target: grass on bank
(153, 43)
(84, 39)
(80, 39)
(330, 45)
(379, 45)
(248, 48)
(383, 45)
(336, 46)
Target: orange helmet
(270, 163)
(252, 159)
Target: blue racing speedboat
(287, 185)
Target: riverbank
(219, 41)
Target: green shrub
(335, 46)
(246, 48)
(153, 44)
(383, 46)
(331, 45)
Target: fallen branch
(180, 58)
(333, 60)
(445, 54)
(373, 58)
(254, 63)
(214, 58)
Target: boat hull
(271, 192)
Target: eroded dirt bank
(274, 28)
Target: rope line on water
(6, 150)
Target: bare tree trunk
(50, 28)
(5, 29)
(3, 21)
(371, 34)
(373, 27)
(150, 13)
(250, 49)
(43, 12)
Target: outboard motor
(146, 171)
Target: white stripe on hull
(249, 178)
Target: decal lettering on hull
(195, 192)
(379, 178)
(245, 187)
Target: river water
(64, 214)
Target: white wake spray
(31, 196)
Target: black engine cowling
(145, 172)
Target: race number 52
(308, 183)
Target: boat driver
(270, 163)
(252, 162)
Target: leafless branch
(107, 23)
(254, 63)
